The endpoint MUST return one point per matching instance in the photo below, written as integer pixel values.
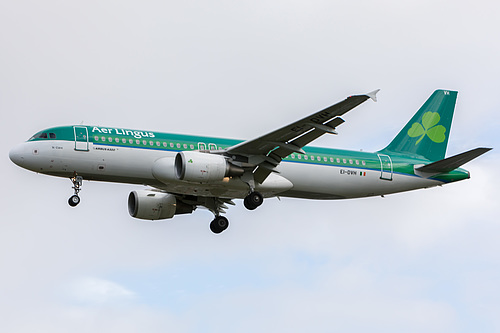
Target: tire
(74, 200)
(219, 224)
(247, 204)
(253, 200)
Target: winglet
(373, 95)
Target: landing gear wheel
(219, 224)
(74, 200)
(77, 186)
(253, 200)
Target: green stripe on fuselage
(111, 136)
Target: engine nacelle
(152, 205)
(163, 169)
(193, 166)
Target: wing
(267, 151)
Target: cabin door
(81, 138)
(385, 167)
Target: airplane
(184, 172)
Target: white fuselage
(135, 165)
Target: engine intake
(151, 205)
(199, 167)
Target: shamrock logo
(190, 161)
(428, 127)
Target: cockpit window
(41, 136)
(52, 135)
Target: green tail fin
(426, 134)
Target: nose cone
(16, 155)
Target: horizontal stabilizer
(451, 163)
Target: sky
(427, 260)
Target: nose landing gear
(74, 200)
(77, 186)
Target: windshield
(43, 135)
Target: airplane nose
(16, 155)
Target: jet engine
(152, 205)
(193, 166)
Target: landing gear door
(385, 167)
(81, 138)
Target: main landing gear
(77, 186)
(253, 200)
(219, 224)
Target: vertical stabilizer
(427, 133)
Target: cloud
(95, 290)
